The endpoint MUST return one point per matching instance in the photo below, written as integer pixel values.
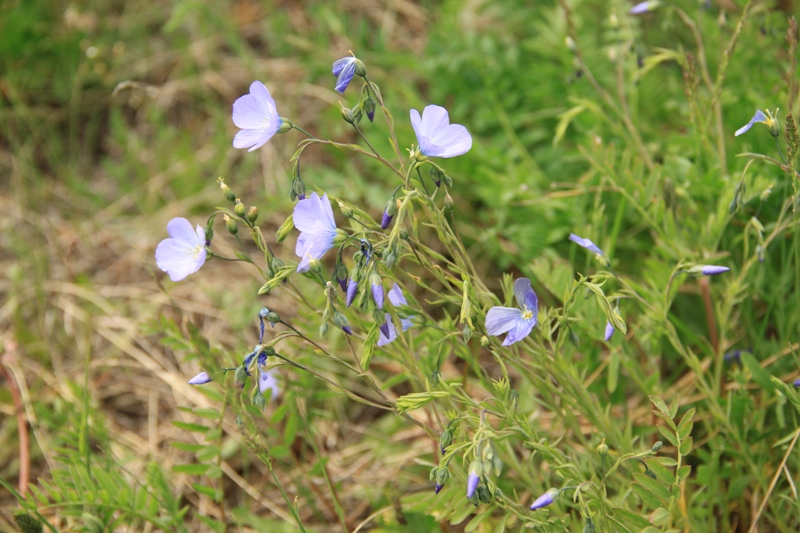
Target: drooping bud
(240, 377)
(445, 439)
(346, 210)
(380, 318)
(352, 289)
(442, 477)
(369, 109)
(545, 499)
(713, 270)
(609, 331)
(436, 175)
(252, 214)
(200, 379)
(386, 219)
(226, 191)
(484, 341)
(341, 275)
(259, 402)
(239, 209)
(377, 291)
(657, 446)
(323, 329)
(348, 116)
(466, 333)
(340, 320)
(233, 229)
(448, 181)
(361, 69)
(483, 493)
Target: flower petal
(525, 296)
(182, 230)
(383, 340)
(586, 243)
(521, 330)
(177, 259)
(758, 117)
(500, 320)
(396, 296)
(346, 75)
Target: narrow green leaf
(189, 427)
(659, 517)
(684, 471)
(660, 405)
(760, 376)
(632, 518)
(194, 469)
(673, 406)
(652, 485)
(669, 435)
(369, 346)
(613, 371)
(686, 447)
(663, 473)
(647, 497)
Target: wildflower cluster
(373, 253)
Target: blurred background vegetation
(115, 118)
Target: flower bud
(226, 191)
(390, 259)
(369, 109)
(545, 499)
(377, 291)
(348, 116)
(346, 210)
(341, 275)
(299, 188)
(240, 377)
(466, 333)
(200, 379)
(657, 446)
(286, 125)
(352, 289)
(233, 229)
(483, 493)
(259, 401)
(448, 181)
(238, 208)
(380, 318)
(436, 175)
(760, 253)
(404, 234)
(361, 69)
(602, 448)
(323, 329)
(445, 439)
(386, 219)
(442, 476)
(484, 341)
(448, 201)
(285, 229)
(252, 214)
(315, 266)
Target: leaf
(760, 376)
(194, 469)
(686, 424)
(660, 405)
(631, 518)
(684, 471)
(668, 435)
(652, 485)
(673, 406)
(369, 346)
(613, 371)
(208, 491)
(663, 473)
(207, 412)
(647, 497)
(686, 447)
(564, 120)
(659, 517)
(190, 427)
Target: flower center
(526, 314)
(194, 251)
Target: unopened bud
(239, 209)
(323, 329)
(448, 181)
(346, 210)
(657, 446)
(483, 493)
(285, 229)
(348, 116)
(484, 341)
(240, 377)
(442, 476)
(233, 229)
(369, 109)
(467, 333)
(448, 201)
(259, 401)
(361, 69)
(226, 191)
(286, 125)
(602, 448)
(436, 175)
(252, 214)
(445, 439)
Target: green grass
(115, 118)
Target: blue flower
(398, 299)
(377, 291)
(268, 382)
(436, 136)
(352, 289)
(386, 220)
(184, 252)
(796, 382)
(713, 270)
(518, 323)
(767, 119)
(200, 379)
(609, 331)
(644, 7)
(344, 69)
(472, 483)
(586, 243)
(314, 218)
(257, 116)
(438, 487)
(545, 499)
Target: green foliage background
(116, 118)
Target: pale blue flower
(314, 218)
(257, 116)
(398, 299)
(796, 382)
(268, 382)
(184, 252)
(644, 7)
(200, 379)
(609, 331)
(436, 136)
(713, 270)
(472, 483)
(517, 322)
(377, 291)
(586, 243)
(344, 69)
(767, 119)
(352, 289)
(545, 499)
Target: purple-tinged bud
(644, 7)
(342, 283)
(472, 483)
(385, 329)
(352, 289)
(377, 291)
(545, 499)
(796, 382)
(713, 270)
(438, 488)
(369, 108)
(200, 379)
(609, 331)
(347, 330)
(386, 220)
(734, 356)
